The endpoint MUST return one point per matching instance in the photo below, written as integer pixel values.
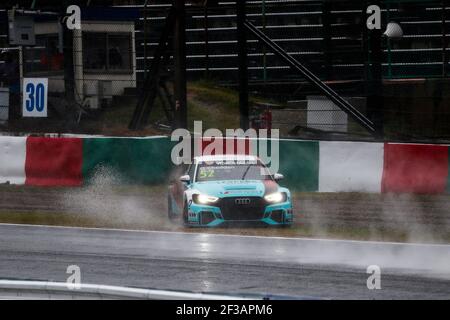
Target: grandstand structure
(330, 38)
(328, 35)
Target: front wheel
(185, 214)
(172, 215)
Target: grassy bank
(354, 216)
(296, 231)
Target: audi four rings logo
(242, 201)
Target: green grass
(296, 231)
(155, 198)
(215, 106)
(44, 218)
(125, 189)
(118, 115)
(210, 93)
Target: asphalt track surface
(225, 264)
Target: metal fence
(328, 35)
(331, 39)
(114, 52)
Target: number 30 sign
(35, 97)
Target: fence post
(375, 98)
(243, 67)
(69, 73)
(180, 119)
(444, 40)
(205, 25)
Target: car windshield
(226, 171)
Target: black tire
(172, 216)
(185, 215)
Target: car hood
(236, 188)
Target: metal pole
(311, 77)
(444, 40)
(243, 67)
(180, 120)
(327, 49)
(264, 47)
(145, 39)
(148, 93)
(375, 99)
(69, 73)
(389, 46)
(206, 42)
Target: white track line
(224, 235)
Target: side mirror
(185, 179)
(278, 176)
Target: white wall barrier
(12, 159)
(350, 167)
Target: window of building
(107, 52)
(45, 58)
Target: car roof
(226, 157)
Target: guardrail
(13, 289)
(309, 166)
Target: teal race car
(228, 190)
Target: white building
(104, 53)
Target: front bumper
(280, 214)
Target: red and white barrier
(12, 159)
(336, 167)
(350, 167)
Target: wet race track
(305, 268)
(237, 261)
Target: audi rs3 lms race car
(226, 190)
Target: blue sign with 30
(35, 97)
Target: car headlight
(204, 199)
(276, 197)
